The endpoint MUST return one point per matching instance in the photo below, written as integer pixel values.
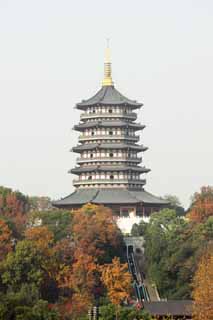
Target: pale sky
(51, 57)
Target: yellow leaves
(117, 280)
(41, 236)
(203, 288)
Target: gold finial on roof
(107, 68)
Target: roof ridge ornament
(107, 68)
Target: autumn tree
(14, 205)
(203, 288)
(40, 236)
(5, 240)
(117, 281)
(202, 205)
(80, 278)
(96, 233)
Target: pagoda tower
(109, 169)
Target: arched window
(91, 155)
(110, 133)
(110, 110)
(93, 133)
(90, 178)
(111, 155)
(111, 177)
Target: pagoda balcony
(132, 115)
(108, 181)
(111, 159)
(109, 137)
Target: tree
(117, 281)
(25, 305)
(57, 221)
(80, 278)
(41, 237)
(171, 251)
(139, 230)
(107, 312)
(23, 266)
(5, 240)
(175, 204)
(203, 287)
(202, 205)
(14, 206)
(96, 233)
(40, 204)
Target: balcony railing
(109, 137)
(131, 115)
(111, 159)
(108, 181)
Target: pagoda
(109, 169)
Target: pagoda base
(125, 203)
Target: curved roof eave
(108, 95)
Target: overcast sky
(51, 57)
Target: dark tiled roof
(108, 95)
(93, 124)
(80, 196)
(108, 168)
(92, 146)
(146, 197)
(109, 196)
(172, 308)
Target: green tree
(25, 305)
(175, 204)
(107, 312)
(23, 266)
(139, 230)
(57, 221)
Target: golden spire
(107, 68)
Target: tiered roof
(96, 180)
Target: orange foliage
(13, 208)
(202, 206)
(80, 276)
(41, 235)
(93, 228)
(203, 288)
(5, 240)
(64, 250)
(117, 281)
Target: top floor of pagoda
(108, 95)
